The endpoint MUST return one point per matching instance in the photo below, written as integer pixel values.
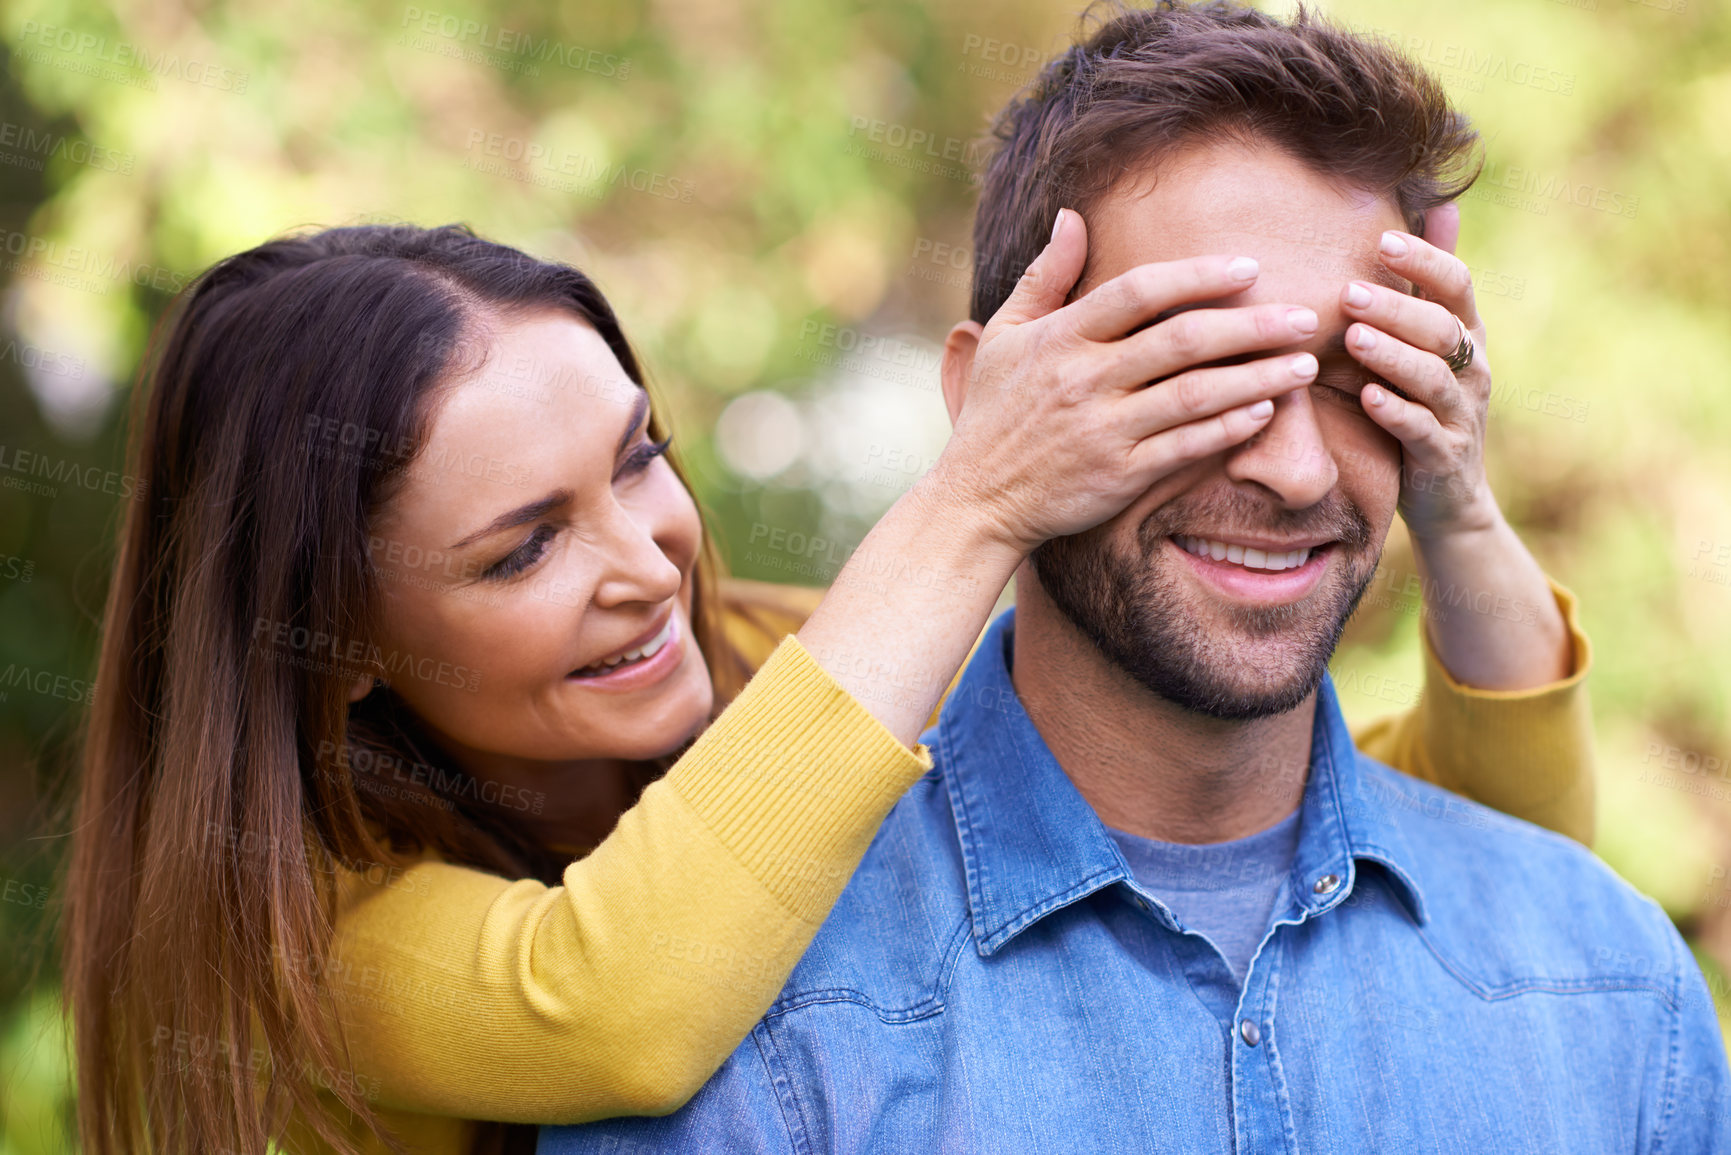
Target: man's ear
(959, 349)
(1442, 225)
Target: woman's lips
(1241, 583)
(644, 671)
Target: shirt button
(1249, 1032)
(1327, 884)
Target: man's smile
(1261, 574)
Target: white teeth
(647, 650)
(1241, 555)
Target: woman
(394, 645)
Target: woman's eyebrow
(522, 515)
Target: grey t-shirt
(1223, 890)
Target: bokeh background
(776, 194)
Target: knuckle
(1270, 322)
(1184, 335)
(1456, 277)
(1072, 389)
(1140, 285)
(1192, 392)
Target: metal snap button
(1249, 1032)
(1327, 884)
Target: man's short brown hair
(1151, 80)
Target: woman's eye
(644, 453)
(523, 556)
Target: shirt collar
(1031, 844)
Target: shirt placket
(1262, 1121)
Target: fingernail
(1261, 409)
(1302, 320)
(1057, 224)
(1303, 366)
(1374, 395)
(1364, 338)
(1357, 295)
(1242, 268)
(1393, 245)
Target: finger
(1442, 225)
(1422, 324)
(1413, 425)
(1154, 457)
(1196, 336)
(1439, 275)
(1111, 310)
(1049, 279)
(1206, 392)
(1420, 376)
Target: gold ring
(1463, 352)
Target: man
(1150, 898)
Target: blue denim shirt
(1441, 978)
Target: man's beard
(1133, 608)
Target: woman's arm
(469, 995)
(1528, 752)
(1504, 718)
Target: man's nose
(1289, 458)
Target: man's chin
(1236, 675)
(1214, 657)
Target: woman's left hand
(1440, 421)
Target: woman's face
(537, 563)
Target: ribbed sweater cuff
(795, 776)
(1541, 739)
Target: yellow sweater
(464, 995)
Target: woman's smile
(642, 664)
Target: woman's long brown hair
(216, 802)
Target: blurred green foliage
(776, 194)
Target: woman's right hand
(1057, 428)
(1065, 413)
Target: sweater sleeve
(1528, 753)
(620, 992)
